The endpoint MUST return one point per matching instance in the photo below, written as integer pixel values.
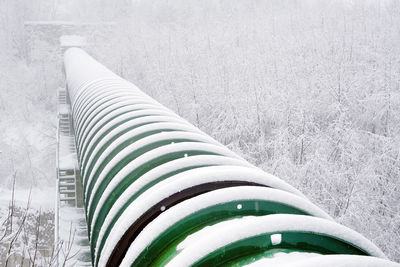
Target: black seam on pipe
(133, 231)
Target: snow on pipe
(158, 191)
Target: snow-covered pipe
(159, 191)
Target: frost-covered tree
(307, 90)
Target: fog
(306, 90)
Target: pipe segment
(160, 192)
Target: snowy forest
(307, 90)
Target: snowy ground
(73, 231)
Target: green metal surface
(110, 141)
(104, 212)
(291, 241)
(97, 121)
(119, 148)
(115, 124)
(83, 116)
(122, 163)
(151, 165)
(132, 156)
(95, 92)
(164, 247)
(85, 128)
(93, 97)
(83, 121)
(269, 254)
